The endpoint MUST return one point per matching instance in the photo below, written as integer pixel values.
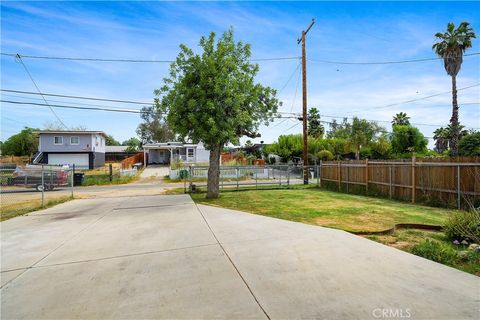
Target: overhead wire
(384, 62)
(417, 99)
(125, 60)
(77, 97)
(38, 89)
(254, 60)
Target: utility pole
(304, 90)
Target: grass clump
(435, 251)
(463, 225)
(98, 180)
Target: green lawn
(8, 211)
(327, 208)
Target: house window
(96, 141)
(190, 152)
(75, 140)
(57, 140)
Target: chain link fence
(246, 177)
(28, 187)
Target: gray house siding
(98, 159)
(92, 144)
(47, 143)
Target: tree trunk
(214, 172)
(357, 153)
(454, 119)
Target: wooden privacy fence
(130, 161)
(443, 181)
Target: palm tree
(450, 47)
(442, 139)
(401, 119)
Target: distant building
(167, 152)
(84, 149)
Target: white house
(166, 152)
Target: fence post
(366, 176)
(190, 172)
(458, 188)
(110, 171)
(390, 181)
(339, 172)
(414, 185)
(43, 188)
(288, 176)
(280, 173)
(71, 182)
(256, 178)
(318, 173)
(236, 168)
(347, 176)
(184, 182)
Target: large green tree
(133, 145)
(451, 46)
(110, 141)
(315, 127)
(407, 139)
(24, 143)
(212, 97)
(362, 132)
(153, 127)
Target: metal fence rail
(33, 185)
(446, 183)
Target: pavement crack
(59, 246)
(233, 264)
(123, 256)
(155, 206)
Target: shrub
(176, 164)
(435, 251)
(325, 155)
(183, 173)
(463, 225)
(470, 145)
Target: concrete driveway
(164, 257)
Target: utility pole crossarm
(304, 107)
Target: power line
(388, 121)
(418, 99)
(71, 107)
(253, 60)
(384, 62)
(61, 101)
(296, 124)
(38, 89)
(78, 97)
(95, 109)
(289, 78)
(125, 60)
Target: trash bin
(78, 179)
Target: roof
(115, 148)
(79, 132)
(169, 145)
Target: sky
(343, 32)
